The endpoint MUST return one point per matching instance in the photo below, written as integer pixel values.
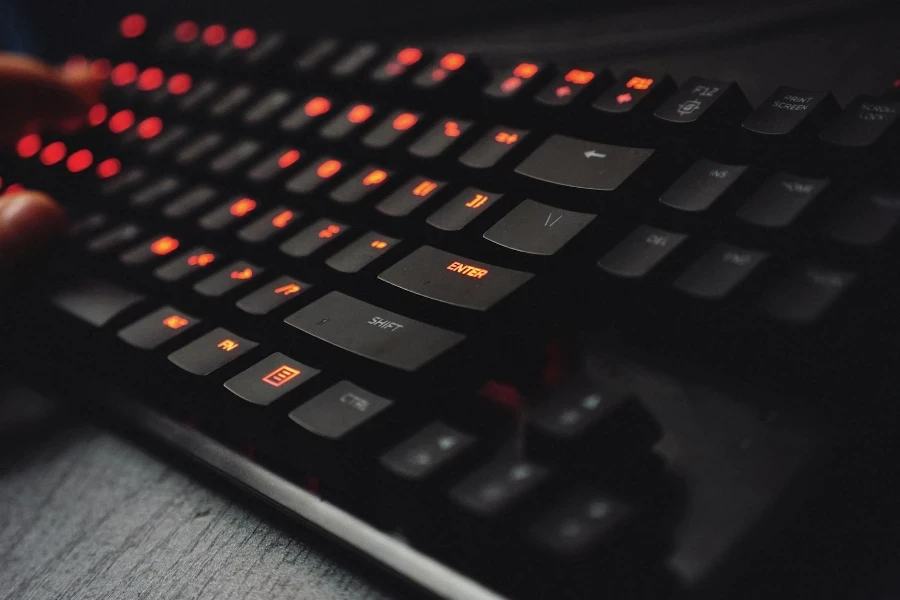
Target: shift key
(373, 332)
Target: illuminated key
(223, 281)
(150, 79)
(29, 145)
(509, 83)
(353, 60)
(348, 121)
(53, 153)
(272, 295)
(409, 197)
(228, 214)
(179, 84)
(360, 253)
(211, 352)
(281, 161)
(133, 26)
(195, 260)
(268, 225)
(495, 145)
(569, 86)
(397, 65)
(441, 70)
(270, 379)
(390, 129)
(313, 176)
(157, 328)
(461, 209)
(148, 251)
(363, 183)
(314, 107)
(439, 138)
(313, 237)
(628, 92)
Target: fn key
(212, 351)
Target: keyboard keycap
(363, 183)
(692, 100)
(339, 410)
(274, 165)
(499, 484)
(95, 302)
(234, 275)
(581, 521)
(267, 107)
(195, 260)
(229, 213)
(272, 295)
(701, 185)
(459, 212)
(346, 122)
(360, 253)
(784, 111)
(453, 279)
(211, 352)
(439, 138)
(313, 108)
(581, 164)
(272, 223)
(536, 228)
(394, 126)
(567, 87)
(270, 379)
(88, 224)
(199, 148)
(114, 238)
(397, 65)
(229, 103)
(804, 295)
(490, 149)
(167, 140)
(313, 237)
(637, 254)
(234, 157)
(628, 92)
(442, 70)
(155, 191)
(862, 123)
(314, 175)
(410, 197)
(354, 60)
(150, 250)
(190, 201)
(316, 55)
(866, 220)
(157, 328)
(781, 199)
(199, 94)
(373, 332)
(426, 451)
(128, 178)
(510, 83)
(719, 271)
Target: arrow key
(536, 228)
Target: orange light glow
(317, 106)
(624, 98)
(639, 83)
(151, 79)
(525, 70)
(282, 219)
(150, 128)
(53, 153)
(451, 129)
(108, 168)
(179, 84)
(378, 244)
(214, 35)
(394, 68)
(164, 245)
(359, 113)
(409, 56)
(101, 68)
(468, 270)
(438, 74)
(244, 39)
(175, 322)
(579, 77)
(121, 121)
(424, 188)
(97, 114)
(29, 145)
(504, 137)
(563, 91)
(79, 161)
(242, 207)
(288, 290)
(186, 31)
(123, 74)
(201, 260)
(288, 158)
(375, 177)
(404, 121)
(329, 232)
(510, 84)
(328, 168)
(477, 202)
(453, 61)
(227, 345)
(281, 376)
(243, 274)
(133, 26)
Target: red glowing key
(317, 106)
(124, 74)
(525, 70)
(108, 168)
(79, 160)
(242, 207)
(359, 113)
(214, 35)
(453, 61)
(97, 114)
(150, 128)
(404, 121)
(510, 84)
(186, 31)
(164, 245)
(133, 26)
(121, 121)
(244, 39)
(179, 84)
(288, 158)
(409, 56)
(151, 79)
(282, 219)
(29, 145)
(328, 168)
(53, 153)
(579, 77)
(375, 177)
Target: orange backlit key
(629, 91)
(223, 281)
(439, 138)
(270, 224)
(347, 121)
(283, 160)
(155, 248)
(569, 85)
(314, 107)
(313, 176)
(409, 197)
(461, 209)
(270, 379)
(444, 68)
(236, 209)
(272, 295)
(495, 145)
(394, 126)
(398, 64)
(509, 83)
(212, 351)
(360, 253)
(313, 237)
(157, 328)
(195, 260)
(363, 183)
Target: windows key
(270, 379)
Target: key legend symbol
(175, 322)
(281, 375)
(227, 345)
(288, 290)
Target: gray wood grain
(85, 513)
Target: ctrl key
(339, 410)
(210, 352)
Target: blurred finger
(28, 220)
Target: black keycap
(692, 100)
(781, 199)
(270, 379)
(453, 279)
(581, 521)
(581, 164)
(353, 60)
(267, 107)
(637, 254)
(361, 252)
(239, 208)
(784, 111)
(701, 185)
(426, 451)
(115, 237)
(409, 197)
(865, 220)
(397, 65)
(88, 224)
(155, 191)
(570, 413)
(211, 352)
(231, 101)
(316, 55)
(363, 183)
(510, 83)
(719, 271)
(272, 223)
(862, 123)
(459, 212)
(196, 260)
(395, 125)
(439, 138)
(373, 332)
(490, 149)
(149, 250)
(168, 140)
(313, 237)
(536, 228)
(628, 92)
(497, 485)
(274, 164)
(272, 295)
(314, 107)
(198, 148)
(267, 47)
(128, 178)
(805, 295)
(94, 301)
(567, 87)
(339, 410)
(234, 275)
(157, 328)
(347, 121)
(235, 156)
(202, 92)
(442, 70)
(314, 175)
(190, 201)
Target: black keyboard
(475, 321)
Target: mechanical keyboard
(511, 331)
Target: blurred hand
(37, 97)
